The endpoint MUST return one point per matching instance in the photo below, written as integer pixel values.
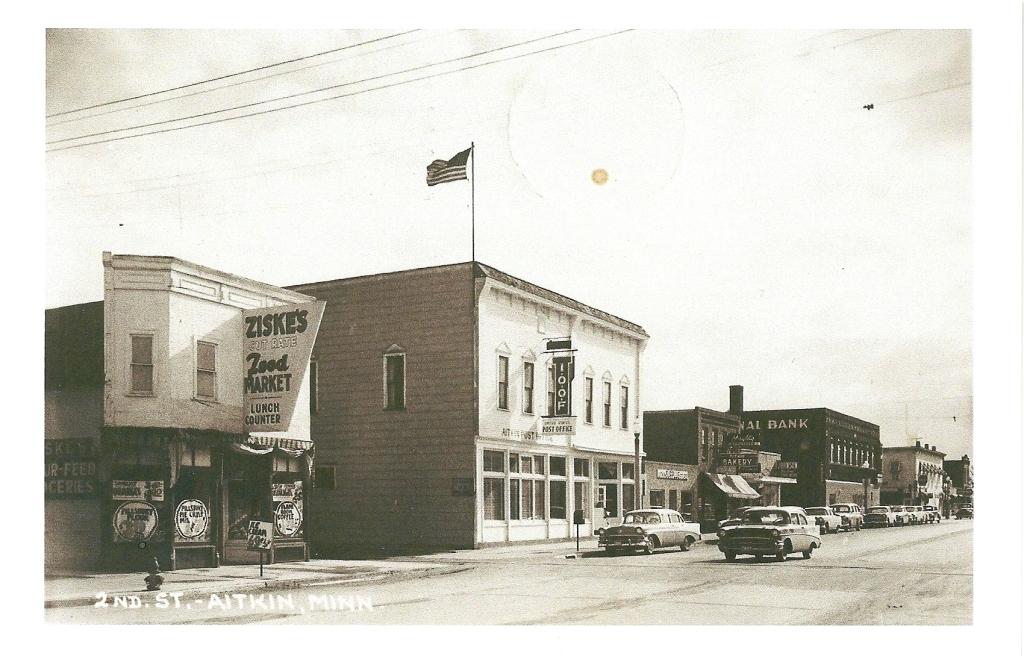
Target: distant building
(961, 481)
(430, 412)
(802, 457)
(913, 475)
(148, 450)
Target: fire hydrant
(155, 578)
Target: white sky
(761, 225)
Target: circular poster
(191, 519)
(135, 521)
(288, 518)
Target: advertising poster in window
(191, 521)
(276, 348)
(287, 509)
(135, 521)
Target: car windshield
(897, 508)
(842, 508)
(642, 518)
(878, 509)
(817, 511)
(767, 517)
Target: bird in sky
(869, 107)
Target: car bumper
(751, 546)
(635, 541)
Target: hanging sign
(563, 386)
(558, 426)
(277, 344)
(191, 519)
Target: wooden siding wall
(394, 469)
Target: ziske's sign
(277, 345)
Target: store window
(557, 464)
(503, 382)
(658, 498)
(627, 470)
(323, 477)
(588, 400)
(608, 470)
(624, 407)
(581, 467)
(206, 370)
(528, 388)
(394, 381)
(628, 498)
(527, 487)
(142, 364)
(673, 499)
(558, 498)
(494, 498)
(494, 461)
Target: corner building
(432, 385)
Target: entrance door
(245, 499)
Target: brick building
(428, 412)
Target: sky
(763, 225)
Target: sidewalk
(69, 590)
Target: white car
(826, 519)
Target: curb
(266, 586)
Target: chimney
(925, 446)
(919, 444)
(933, 447)
(735, 399)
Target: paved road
(911, 575)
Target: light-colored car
(826, 519)
(649, 529)
(934, 516)
(879, 516)
(918, 515)
(770, 531)
(903, 516)
(850, 514)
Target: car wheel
(786, 548)
(807, 554)
(730, 555)
(687, 543)
(856, 527)
(651, 545)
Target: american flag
(454, 169)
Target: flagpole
(472, 199)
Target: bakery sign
(277, 344)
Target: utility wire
(224, 77)
(307, 93)
(234, 84)
(345, 95)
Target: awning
(777, 479)
(733, 486)
(278, 442)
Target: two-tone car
(850, 515)
(879, 516)
(826, 519)
(775, 531)
(649, 529)
(734, 517)
(903, 516)
(934, 516)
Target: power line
(307, 93)
(224, 77)
(344, 95)
(926, 93)
(236, 84)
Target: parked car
(965, 512)
(917, 514)
(826, 519)
(879, 516)
(734, 518)
(934, 516)
(650, 529)
(903, 516)
(770, 531)
(850, 514)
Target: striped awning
(733, 486)
(277, 442)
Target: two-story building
(434, 411)
(960, 475)
(173, 418)
(914, 475)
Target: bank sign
(277, 344)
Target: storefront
(722, 495)
(670, 485)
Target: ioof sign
(259, 536)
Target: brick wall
(394, 469)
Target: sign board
(191, 520)
(558, 426)
(259, 536)
(786, 469)
(70, 468)
(283, 491)
(135, 521)
(277, 343)
(747, 461)
(288, 518)
(563, 386)
(137, 490)
(579, 517)
(675, 474)
(559, 344)
(462, 487)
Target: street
(911, 575)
